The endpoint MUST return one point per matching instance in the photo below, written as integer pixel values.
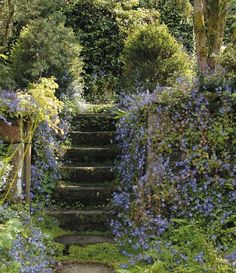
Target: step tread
(84, 239)
(79, 211)
(87, 168)
(95, 115)
(81, 187)
(104, 148)
(92, 139)
(93, 132)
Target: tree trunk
(7, 24)
(216, 25)
(209, 24)
(200, 34)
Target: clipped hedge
(151, 57)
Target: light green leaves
(9, 232)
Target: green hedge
(152, 56)
(98, 32)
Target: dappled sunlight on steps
(83, 196)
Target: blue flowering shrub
(185, 248)
(45, 166)
(41, 107)
(181, 168)
(22, 244)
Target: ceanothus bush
(193, 164)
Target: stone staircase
(88, 175)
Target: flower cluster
(22, 244)
(41, 107)
(38, 104)
(45, 171)
(177, 161)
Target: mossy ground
(105, 253)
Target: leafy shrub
(191, 169)
(230, 23)
(43, 49)
(98, 32)
(22, 247)
(228, 61)
(101, 28)
(186, 248)
(42, 107)
(177, 15)
(17, 14)
(130, 16)
(152, 56)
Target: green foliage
(39, 104)
(9, 230)
(186, 248)
(130, 16)
(101, 28)
(230, 24)
(152, 56)
(177, 160)
(26, 11)
(107, 253)
(46, 49)
(6, 80)
(15, 14)
(177, 15)
(228, 61)
(21, 243)
(98, 32)
(48, 106)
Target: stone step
(92, 138)
(84, 239)
(85, 196)
(82, 156)
(82, 267)
(83, 220)
(88, 174)
(93, 122)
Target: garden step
(83, 220)
(84, 195)
(81, 267)
(87, 174)
(93, 122)
(84, 239)
(83, 155)
(92, 138)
